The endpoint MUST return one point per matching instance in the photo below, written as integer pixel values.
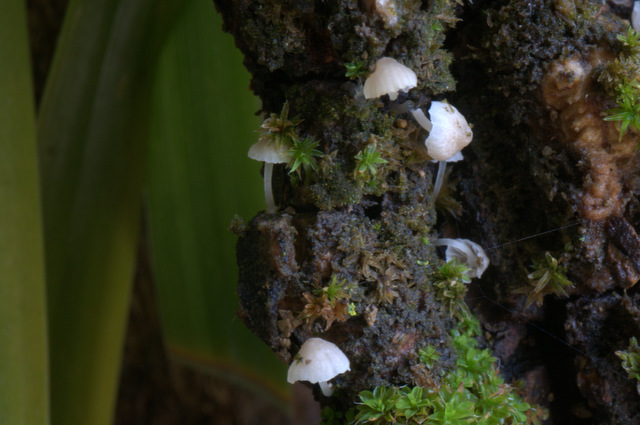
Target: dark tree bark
(529, 76)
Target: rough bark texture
(526, 75)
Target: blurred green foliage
(146, 112)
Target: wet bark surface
(544, 174)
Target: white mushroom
(466, 252)
(635, 16)
(449, 135)
(270, 153)
(318, 361)
(389, 77)
(450, 132)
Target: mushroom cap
(317, 361)
(266, 151)
(466, 252)
(450, 132)
(389, 77)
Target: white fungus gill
(389, 77)
(465, 252)
(318, 361)
(270, 153)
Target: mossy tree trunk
(545, 174)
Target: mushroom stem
(442, 165)
(268, 192)
(327, 388)
(422, 119)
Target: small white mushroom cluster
(448, 130)
(466, 252)
(318, 361)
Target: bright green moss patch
(472, 393)
(620, 79)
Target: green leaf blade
(199, 177)
(23, 340)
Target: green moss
(631, 360)
(472, 393)
(363, 143)
(620, 79)
(420, 45)
(367, 162)
(303, 158)
(451, 285)
(429, 356)
(332, 303)
(355, 70)
(335, 190)
(547, 276)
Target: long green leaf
(23, 343)
(199, 177)
(92, 130)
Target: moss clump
(365, 152)
(547, 277)
(335, 190)
(332, 303)
(450, 280)
(367, 162)
(472, 392)
(620, 79)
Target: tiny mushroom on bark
(270, 153)
(466, 252)
(318, 361)
(449, 135)
(389, 77)
(448, 130)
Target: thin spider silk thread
(513, 312)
